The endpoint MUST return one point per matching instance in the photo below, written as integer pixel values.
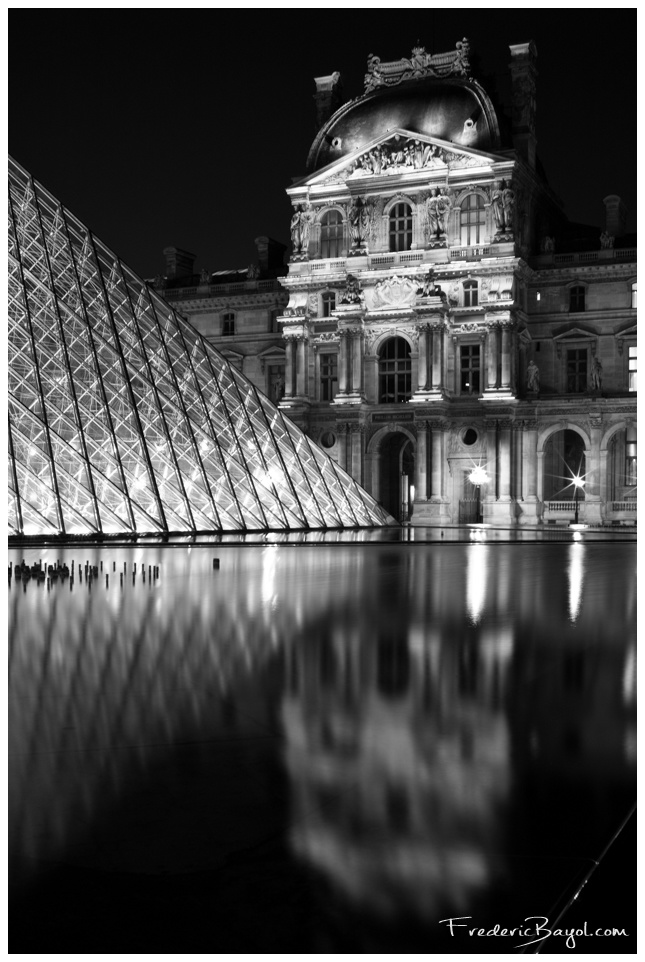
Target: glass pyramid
(123, 420)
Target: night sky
(183, 127)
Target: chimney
(328, 97)
(178, 263)
(523, 76)
(270, 254)
(615, 215)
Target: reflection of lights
(577, 536)
(629, 677)
(575, 572)
(476, 572)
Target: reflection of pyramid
(122, 419)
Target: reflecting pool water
(314, 748)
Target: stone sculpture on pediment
(352, 293)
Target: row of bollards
(51, 574)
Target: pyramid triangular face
(123, 420)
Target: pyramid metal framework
(123, 420)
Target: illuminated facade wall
(123, 420)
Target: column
(437, 372)
(506, 358)
(421, 463)
(437, 464)
(423, 358)
(504, 460)
(342, 362)
(288, 371)
(491, 359)
(356, 470)
(357, 362)
(490, 490)
(529, 464)
(301, 367)
(341, 430)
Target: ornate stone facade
(439, 313)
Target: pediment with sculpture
(402, 152)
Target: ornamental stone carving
(400, 155)
(394, 292)
(420, 64)
(438, 208)
(352, 293)
(503, 204)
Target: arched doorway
(396, 475)
(564, 459)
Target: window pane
(401, 227)
(469, 368)
(576, 299)
(577, 371)
(473, 218)
(328, 304)
(395, 371)
(632, 367)
(328, 376)
(331, 234)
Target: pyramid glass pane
(123, 420)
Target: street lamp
(578, 483)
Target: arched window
(331, 234)
(328, 303)
(473, 220)
(228, 324)
(395, 371)
(401, 227)
(471, 294)
(577, 299)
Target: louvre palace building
(438, 326)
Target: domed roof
(450, 109)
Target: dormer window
(228, 324)
(401, 227)
(331, 234)
(471, 294)
(577, 299)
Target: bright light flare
(478, 476)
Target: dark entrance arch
(396, 475)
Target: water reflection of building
(409, 732)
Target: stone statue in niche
(606, 241)
(360, 222)
(503, 203)
(508, 206)
(547, 244)
(533, 377)
(300, 224)
(596, 375)
(438, 207)
(204, 277)
(352, 293)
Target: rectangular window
(632, 367)
(469, 368)
(577, 371)
(328, 376)
(328, 303)
(228, 324)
